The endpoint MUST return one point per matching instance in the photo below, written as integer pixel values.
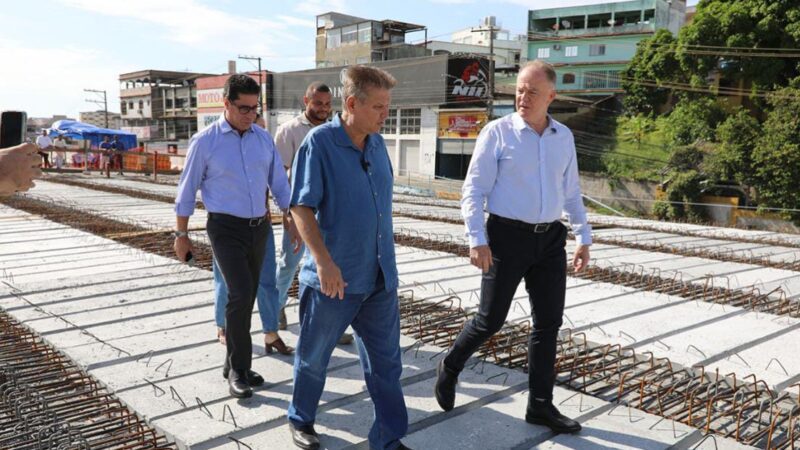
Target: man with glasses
(234, 164)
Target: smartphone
(189, 259)
(12, 128)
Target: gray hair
(357, 79)
(545, 67)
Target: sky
(51, 50)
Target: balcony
(630, 28)
(141, 91)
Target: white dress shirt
(524, 176)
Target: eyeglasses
(244, 109)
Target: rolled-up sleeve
(191, 177)
(477, 186)
(307, 178)
(573, 201)
(278, 181)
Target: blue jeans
(287, 268)
(266, 296)
(375, 318)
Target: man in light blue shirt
(234, 164)
(525, 170)
(342, 202)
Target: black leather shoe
(545, 413)
(253, 378)
(445, 388)
(305, 437)
(238, 385)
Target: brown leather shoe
(277, 345)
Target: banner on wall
(462, 125)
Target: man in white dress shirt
(525, 168)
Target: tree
(655, 62)
(636, 128)
(776, 158)
(732, 160)
(694, 120)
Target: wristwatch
(178, 234)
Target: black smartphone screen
(12, 128)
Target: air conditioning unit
(557, 47)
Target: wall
(633, 195)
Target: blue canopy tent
(78, 130)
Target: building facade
(98, 119)
(210, 93)
(159, 105)
(591, 45)
(438, 108)
(344, 40)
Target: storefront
(457, 133)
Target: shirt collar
(304, 120)
(342, 139)
(226, 127)
(519, 123)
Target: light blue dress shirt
(350, 192)
(523, 176)
(233, 172)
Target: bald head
(536, 85)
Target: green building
(590, 45)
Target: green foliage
(661, 210)
(687, 157)
(655, 62)
(694, 120)
(636, 128)
(685, 189)
(776, 158)
(733, 158)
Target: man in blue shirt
(234, 164)
(525, 169)
(342, 203)
(105, 155)
(118, 148)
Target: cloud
(316, 7)
(191, 23)
(55, 83)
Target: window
(649, 14)
(543, 53)
(398, 39)
(130, 105)
(141, 104)
(365, 32)
(573, 23)
(168, 103)
(410, 120)
(334, 38)
(180, 103)
(568, 78)
(350, 34)
(390, 124)
(571, 51)
(597, 49)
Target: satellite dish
(566, 23)
(611, 22)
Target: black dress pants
(239, 251)
(540, 259)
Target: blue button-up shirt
(523, 176)
(351, 194)
(232, 171)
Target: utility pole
(105, 102)
(260, 88)
(489, 22)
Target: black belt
(534, 227)
(252, 222)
